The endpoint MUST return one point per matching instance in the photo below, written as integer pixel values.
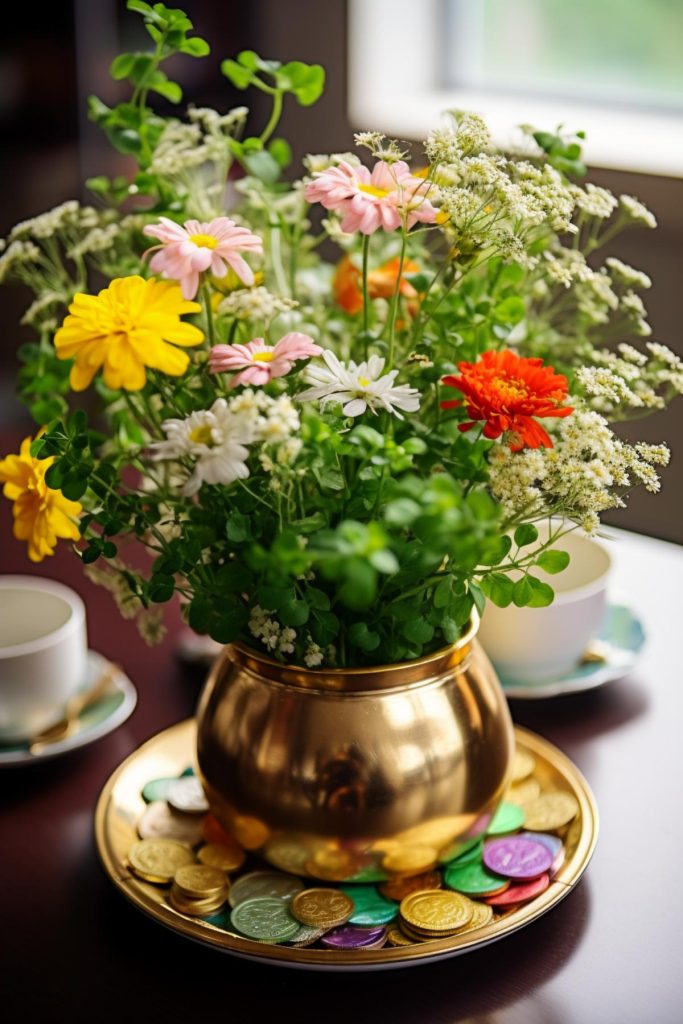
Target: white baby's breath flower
(255, 304)
(358, 387)
(313, 655)
(627, 275)
(637, 211)
(594, 200)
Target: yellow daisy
(41, 513)
(125, 328)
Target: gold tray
(172, 750)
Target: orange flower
(381, 284)
(507, 392)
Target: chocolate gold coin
(157, 860)
(264, 883)
(549, 811)
(398, 888)
(322, 908)
(265, 918)
(222, 857)
(198, 881)
(436, 910)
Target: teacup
(536, 644)
(43, 651)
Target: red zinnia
(508, 391)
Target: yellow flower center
(371, 190)
(263, 357)
(204, 241)
(202, 435)
(364, 382)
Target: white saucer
(107, 714)
(620, 642)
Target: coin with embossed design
(265, 918)
(199, 881)
(157, 860)
(437, 911)
(322, 908)
(264, 883)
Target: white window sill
(392, 88)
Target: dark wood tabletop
(610, 953)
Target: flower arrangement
(331, 461)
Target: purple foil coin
(515, 857)
(350, 936)
(553, 843)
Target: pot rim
(357, 679)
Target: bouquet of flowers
(330, 461)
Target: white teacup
(43, 651)
(536, 644)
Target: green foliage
(563, 153)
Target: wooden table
(74, 950)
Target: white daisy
(215, 438)
(358, 388)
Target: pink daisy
(260, 362)
(368, 200)
(187, 250)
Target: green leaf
(75, 483)
(510, 310)
(241, 77)
(195, 47)
(402, 512)
(530, 592)
(281, 152)
(361, 636)
(525, 534)
(237, 527)
(359, 590)
(161, 588)
(139, 7)
(262, 165)
(199, 613)
(450, 629)
(91, 554)
(478, 597)
(122, 66)
(553, 561)
(498, 588)
(54, 476)
(418, 630)
(169, 90)
(306, 81)
(293, 613)
(317, 599)
(384, 561)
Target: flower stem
(274, 117)
(209, 314)
(394, 300)
(366, 310)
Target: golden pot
(355, 774)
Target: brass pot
(355, 774)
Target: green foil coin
(157, 789)
(371, 908)
(473, 855)
(266, 919)
(472, 879)
(508, 818)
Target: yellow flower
(125, 328)
(41, 513)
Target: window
(610, 67)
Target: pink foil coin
(521, 893)
(514, 857)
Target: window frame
(394, 87)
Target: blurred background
(610, 66)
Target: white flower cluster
(69, 214)
(111, 576)
(17, 258)
(469, 134)
(636, 211)
(628, 379)
(216, 440)
(314, 162)
(380, 146)
(98, 239)
(269, 631)
(586, 472)
(623, 274)
(255, 304)
(594, 200)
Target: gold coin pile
(436, 914)
(199, 890)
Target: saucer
(614, 654)
(107, 714)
